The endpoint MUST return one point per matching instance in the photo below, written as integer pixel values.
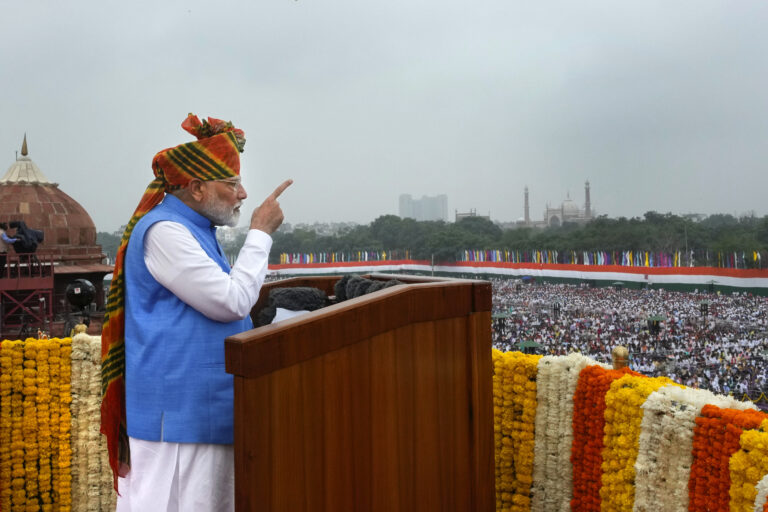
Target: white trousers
(178, 477)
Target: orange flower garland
(715, 439)
(588, 428)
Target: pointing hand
(269, 216)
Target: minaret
(587, 203)
(527, 213)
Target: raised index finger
(279, 190)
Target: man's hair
(180, 193)
(3, 226)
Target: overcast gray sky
(660, 105)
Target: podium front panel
(395, 417)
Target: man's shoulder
(159, 213)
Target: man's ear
(196, 191)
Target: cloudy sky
(660, 105)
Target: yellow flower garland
(498, 410)
(64, 485)
(35, 452)
(6, 387)
(44, 426)
(18, 494)
(515, 389)
(623, 418)
(29, 423)
(747, 467)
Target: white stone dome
(570, 207)
(24, 170)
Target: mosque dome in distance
(570, 207)
(27, 195)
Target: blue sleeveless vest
(175, 384)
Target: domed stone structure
(569, 211)
(27, 195)
(34, 284)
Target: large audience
(699, 339)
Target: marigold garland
(588, 427)
(615, 427)
(514, 467)
(715, 440)
(18, 494)
(747, 467)
(64, 485)
(666, 441)
(34, 425)
(6, 389)
(623, 418)
(44, 433)
(29, 424)
(498, 410)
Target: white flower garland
(665, 457)
(762, 494)
(552, 471)
(91, 475)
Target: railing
(16, 269)
(26, 294)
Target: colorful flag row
(752, 259)
(343, 256)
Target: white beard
(219, 214)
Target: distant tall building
(527, 217)
(426, 208)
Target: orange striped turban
(214, 155)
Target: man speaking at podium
(167, 409)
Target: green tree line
(445, 241)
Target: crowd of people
(705, 340)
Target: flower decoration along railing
(573, 434)
(569, 433)
(52, 457)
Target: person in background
(168, 407)
(5, 243)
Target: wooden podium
(379, 403)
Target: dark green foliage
(109, 243)
(660, 232)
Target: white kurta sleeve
(175, 259)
